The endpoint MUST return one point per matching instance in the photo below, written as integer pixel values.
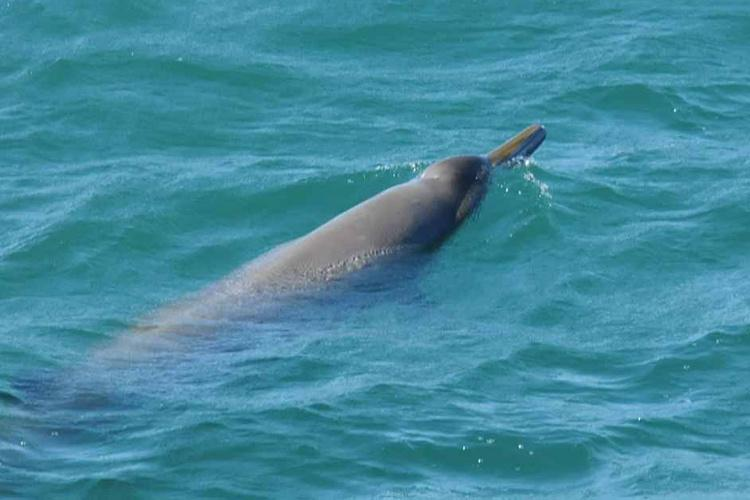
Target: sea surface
(587, 334)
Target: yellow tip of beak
(522, 144)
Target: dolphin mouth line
(522, 145)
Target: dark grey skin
(416, 215)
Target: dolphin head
(463, 180)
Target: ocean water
(587, 334)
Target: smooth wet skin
(416, 215)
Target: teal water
(587, 334)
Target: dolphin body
(407, 219)
(410, 217)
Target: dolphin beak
(522, 145)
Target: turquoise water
(587, 334)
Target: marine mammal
(415, 215)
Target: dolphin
(414, 216)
